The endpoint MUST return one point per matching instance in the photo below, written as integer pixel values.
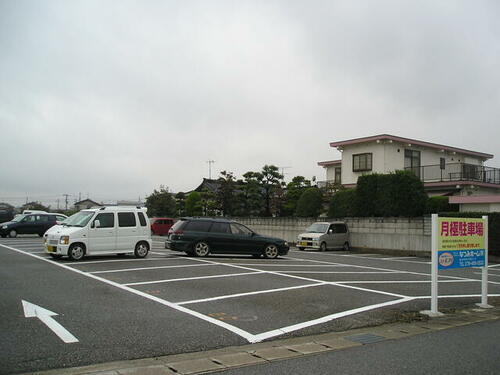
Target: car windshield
(79, 219)
(18, 218)
(318, 228)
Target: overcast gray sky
(114, 98)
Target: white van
(99, 231)
(324, 236)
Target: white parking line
(306, 278)
(358, 273)
(84, 262)
(250, 293)
(387, 269)
(193, 278)
(324, 319)
(406, 281)
(457, 296)
(287, 265)
(489, 274)
(238, 331)
(149, 268)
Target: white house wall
(378, 161)
(388, 157)
(330, 172)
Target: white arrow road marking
(34, 311)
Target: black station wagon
(202, 236)
(30, 224)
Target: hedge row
(385, 195)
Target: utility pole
(79, 197)
(66, 200)
(210, 162)
(283, 170)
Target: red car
(161, 225)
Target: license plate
(51, 249)
(303, 243)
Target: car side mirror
(97, 223)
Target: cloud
(115, 98)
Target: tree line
(265, 194)
(262, 193)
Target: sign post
(458, 243)
(484, 271)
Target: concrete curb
(246, 355)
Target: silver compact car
(324, 236)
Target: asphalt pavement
(458, 351)
(122, 308)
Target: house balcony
(454, 172)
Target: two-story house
(444, 170)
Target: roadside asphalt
(260, 353)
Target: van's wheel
(322, 247)
(271, 252)
(12, 233)
(346, 246)
(201, 249)
(76, 252)
(141, 249)
(56, 256)
(301, 248)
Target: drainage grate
(367, 338)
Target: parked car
(324, 236)
(6, 212)
(27, 212)
(203, 236)
(161, 225)
(28, 224)
(60, 217)
(105, 230)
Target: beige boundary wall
(389, 235)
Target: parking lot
(244, 299)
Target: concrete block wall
(391, 235)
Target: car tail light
(179, 232)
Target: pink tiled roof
(475, 199)
(412, 141)
(326, 163)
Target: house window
(338, 175)
(412, 161)
(362, 162)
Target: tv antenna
(210, 162)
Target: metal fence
(457, 172)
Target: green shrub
(194, 205)
(343, 204)
(395, 194)
(366, 195)
(309, 204)
(440, 204)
